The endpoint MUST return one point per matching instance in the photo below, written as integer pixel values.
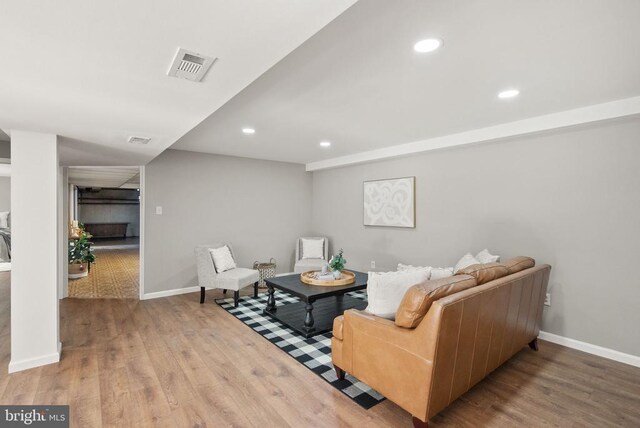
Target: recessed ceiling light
(509, 93)
(248, 130)
(139, 140)
(427, 45)
(325, 144)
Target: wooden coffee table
(318, 307)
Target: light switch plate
(158, 210)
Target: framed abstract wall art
(390, 202)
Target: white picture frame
(390, 202)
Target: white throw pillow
(4, 219)
(385, 290)
(312, 248)
(222, 259)
(403, 268)
(466, 260)
(485, 256)
(438, 273)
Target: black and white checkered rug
(314, 353)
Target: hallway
(115, 275)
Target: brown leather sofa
(447, 336)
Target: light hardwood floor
(173, 362)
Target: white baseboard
(167, 293)
(600, 351)
(18, 366)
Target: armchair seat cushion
(304, 265)
(235, 279)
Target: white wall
(260, 207)
(34, 277)
(569, 198)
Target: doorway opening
(105, 230)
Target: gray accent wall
(5, 194)
(570, 198)
(260, 207)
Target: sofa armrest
(338, 323)
(392, 360)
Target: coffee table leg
(308, 318)
(271, 300)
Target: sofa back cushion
(418, 299)
(519, 263)
(484, 273)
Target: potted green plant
(337, 263)
(80, 255)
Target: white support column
(63, 232)
(35, 334)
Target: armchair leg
(339, 372)
(534, 344)
(236, 296)
(201, 295)
(417, 423)
(255, 290)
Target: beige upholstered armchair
(304, 263)
(233, 279)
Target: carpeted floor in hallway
(115, 275)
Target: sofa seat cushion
(419, 298)
(484, 273)
(519, 263)
(338, 322)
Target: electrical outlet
(373, 264)
(547, 300)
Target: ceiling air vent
(190, 65)
(139, 140)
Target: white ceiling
(105, 176)
(359, 84)
(94, 72)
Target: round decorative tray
(346, 278)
